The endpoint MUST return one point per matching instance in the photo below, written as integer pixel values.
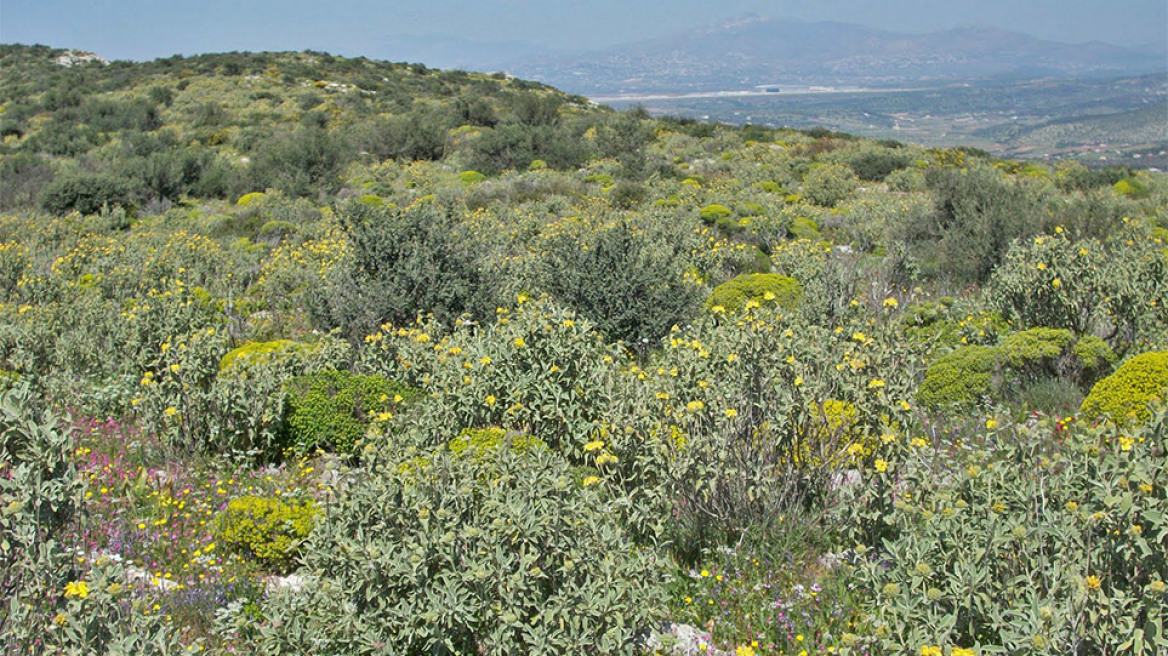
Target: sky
(408, 30)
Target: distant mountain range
(757, 51)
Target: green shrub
(1047, 539)
(828, 184)
(253, 353)
(1116, 289)
(804, 228)
(405, 262)
(763, 288)
(1094, 353)
(469, 556)
(87, 193)
(1054, 353)
(266, 529)
(711, 213)
(963, 378)
(481, 442)
(471, 177)
(1035, 346)
(333, 409)
(1126, 395)
(628, 281)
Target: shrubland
(304, 354)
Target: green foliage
(471, 177)
(968, 559)
(828, 184)
(54, 604)
(762, 288)
(413, 561)
(804, 228)
(963, 378)
(1116, 290)
(333, 409)
(300, 163)
(627, 281)
(971, 375)
(267, 529)
(254, 353)
(978, 212)
(87, 193)
(405, 262)
(1126, 395)
(482, 442)
(711, 213)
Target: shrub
(628, 282)
(252, 353)
(504, 555)
(1040, 540)
(804, 228)
(266, 529)
(1054, 353)
(828, 184)
(763, 288)
(964, 377)
(1126, 395)
(480, 442)
(978, 212)
(711, 213)
(41, 494)
(1117, 290)
(333, 409)
(470, 177)
(405, 262)
(84, 192)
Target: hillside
(302, 354)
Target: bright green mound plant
(258, 353)
(1056, 353)
(763, 288)
(1038, 356)
(332, 409)
(1126, 395)
(471, 177)
(266, 529)
(469, 556)
(963, 377)
(483, 442)
(711, 213)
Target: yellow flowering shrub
(268, 529)
(1126, 395)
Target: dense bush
(978, 212)
(1127, 395)
(964, 377)
(1116, 290)
(413, 561)
(333, 409)
(762, 288)
(267, 529)
(87, 193)
(626, 281)
(828, 184)
(405, 262)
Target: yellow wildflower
(78, 589)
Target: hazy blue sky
(417, 31)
